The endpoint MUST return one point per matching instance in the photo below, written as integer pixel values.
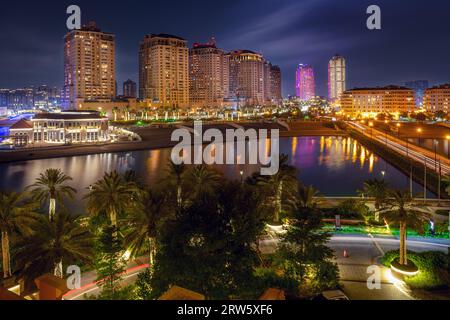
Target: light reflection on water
(337, 166)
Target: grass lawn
(377, 230)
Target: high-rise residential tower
(89, 66)
(129, 89)
(275, 85)
(305, 83)
(336, 77)
(208, 75)
(248, 77)
(164, 70)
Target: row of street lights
(419, 131)
(435, 144)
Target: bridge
(431, 160)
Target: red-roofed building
(21, 132)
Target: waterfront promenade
(158, 138)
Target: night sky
(414, 42)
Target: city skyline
(285, 42)
(244, 151)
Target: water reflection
(337, 166)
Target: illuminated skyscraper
(305, 83)
(336, 77)
(89, 65)
(164, 70)
(275, 85)
(209, 75)
(129, 89)
(249, 77)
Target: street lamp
(419, 131)
(371, 129)
(242, 176)
(435, 143)
(448, 147)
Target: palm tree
(16, 216)
(279, 184)
(305, 197)
(175, 175)
(143, 223)
(203, 180)
(377, 189)
(403, 213)
(115, 110)
(146, 111)
(51, 186)
(63, 239)
(111, 195)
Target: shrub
(349, 209)
(268, 278)
(433, 269)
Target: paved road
(90, 288)
(363, 252)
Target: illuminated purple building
(305, 84)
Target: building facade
(30, 98)
(164, 70)
(89, 65)
(369, 102)
(276, 97)
(129, 89)
(60, 128)
(337, 77)
(305, 82)
(248, 78)
(209, 70)
(18, 99)
(437, 98)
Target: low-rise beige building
(437, 98)
(60, 128)
(369, 102)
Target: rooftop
(210, 44)
(165, 36)
(178, 293)
(442, 86)
(69, 115)
(243, 52)
(391, 87)
(21, 124)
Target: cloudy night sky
(414, 42)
